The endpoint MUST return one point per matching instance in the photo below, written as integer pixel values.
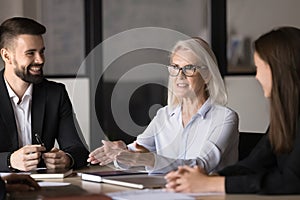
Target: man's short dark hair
(15, 26)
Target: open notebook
(138, 180)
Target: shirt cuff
(9, 164)
(72, 160)
(162, 165)
(120, 166)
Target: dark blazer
(2, 189)
(264, 172)
(51, 117)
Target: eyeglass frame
(183, 69)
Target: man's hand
(20, 182)
(27, 157)
(56, 159)
(106, 153)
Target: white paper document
(149, 194)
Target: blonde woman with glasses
(195, 128)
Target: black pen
(39, 140)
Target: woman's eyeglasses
(188, 70)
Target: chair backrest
(141, 100)
(247, 141)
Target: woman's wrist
(150, 159)
(216, 184)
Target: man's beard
(26, 76)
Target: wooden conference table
(81, 189)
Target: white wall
(79, 93)
(245, 96)
(253, 17)
(10, 8)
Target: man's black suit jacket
(2, 189)
(51, 117)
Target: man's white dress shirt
(22, 111)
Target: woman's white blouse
(209, 140)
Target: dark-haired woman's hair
(280, 48)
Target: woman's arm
(274, 175)
(219, 150)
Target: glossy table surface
(81, 189)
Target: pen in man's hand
(39, 140)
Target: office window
(247, 20)
(65, 46)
